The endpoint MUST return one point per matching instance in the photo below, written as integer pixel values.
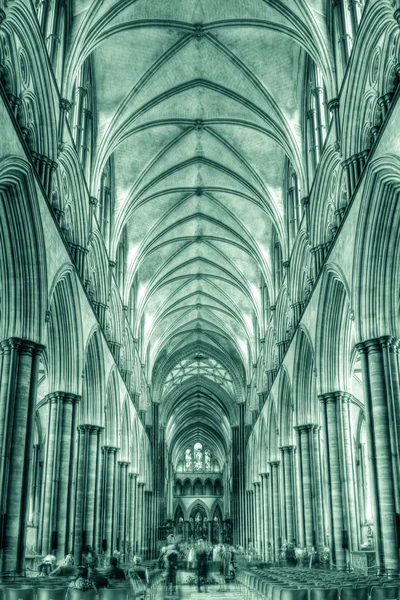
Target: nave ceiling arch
(198, 127)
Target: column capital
(124, 463)
(133, 475)
(288, 449)
(110, 449)
(306, 427)
(332, 397)
(374, 345)
(264, 475)
(23, 346)
(275, 463)
(333, 104)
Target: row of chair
(35, 590)
(312, 584)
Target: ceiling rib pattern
(199, 109)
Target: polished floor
(185, 592)
(191, 593)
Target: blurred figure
(226, 558)
(202, 566)
(191, 557)
(139, 578)
(97, 578)
(66, 569)
(114, 571)
(82, 581)
(47, 566)
(172, 568)
(89, 557)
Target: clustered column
(380, 372)
(19, 367)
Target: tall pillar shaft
(274, 477)
(109, 499)
(266, 533)
(381, 404)
(307, 486)
(18, 389)
(287, 460)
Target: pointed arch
(22, 249)
(64, 333)
(91, 410)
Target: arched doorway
(198, 524)
(217, 526)
(179, 522)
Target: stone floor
(186, 592)
(191, 593)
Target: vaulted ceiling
(199, 103)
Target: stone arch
(91, 409)
(334, 327)
(22, 248)
(304, 392)
(22, 22)
(111, 408)
(286, 409)
(377, 24)
(377, 252)
(64, 334)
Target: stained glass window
(188, 459)
(198, 457)
(207, 460)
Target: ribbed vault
(199, 113)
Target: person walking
(202, 566)
(172, 568)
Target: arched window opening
(121, 262)
(188, 459)
(82, 115)
(317, 116)
(197, 459)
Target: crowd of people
(88, 576)
(209, 562)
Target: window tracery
(199, 459)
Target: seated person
(66, 569)
(114, 571)
(47, 566)
(97, 578)
(82, 581)
(139, 571)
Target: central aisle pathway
(185, 592)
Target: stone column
(80, 491)
(109, 498)
(139, 537)
(319, 523)
(123, 488)
(63, 521)
(381, 393)
(306, 484)
(266, 533)
(287, 462)
(132, 510)
(301, 538)
(48, 473)
(349, 471)
(18, 388)
(91, 485)
(275, 507)
(257, 516)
